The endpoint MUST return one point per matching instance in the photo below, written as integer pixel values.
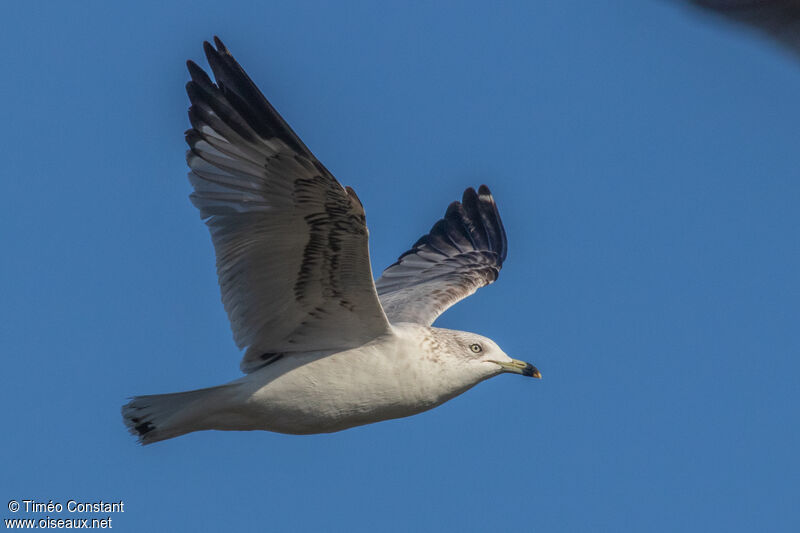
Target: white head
(475, 357)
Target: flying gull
(327, 348)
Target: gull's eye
(476, 348)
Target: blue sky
(645, 164)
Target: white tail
(157, 417)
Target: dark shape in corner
(780, 19)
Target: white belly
(315, 393)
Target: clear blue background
(645, 161)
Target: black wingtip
(209, 50)
(453, 209)
(197, 73)
(193, 90)
(469, 196)
(483, 190)
(221, 48)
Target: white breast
(391, 377)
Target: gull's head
(483, 358)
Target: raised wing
(778, 18)
(462, 252)
(291, 242)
